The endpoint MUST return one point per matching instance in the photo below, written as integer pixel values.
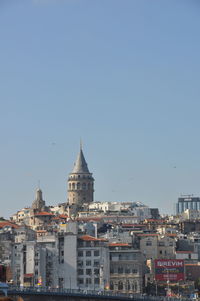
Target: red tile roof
(56, 218)
(44, 213)
(8, 224)
(91, 238)
(63, 216)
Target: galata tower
(80, 185)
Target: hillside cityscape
(125, 247)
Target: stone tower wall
(80, 189)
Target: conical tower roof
(80, 165)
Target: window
(127, 270)
(96, 280)
(134, 271)
(96, 271)
(96, 253)
(128, 287)
(80, 243)
(111, 285)
(120, 270)
(80, 281)
(88, 262)
(148, 243)
(88, 272)
(80, 253)
(80, 263)
(88, 281)
(120, 285)
(60, 282)
(80, 272)
(88, 253)
(96, 263)
(135, 286)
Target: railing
(90, 293)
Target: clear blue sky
(124, 75)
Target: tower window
(73, 185)
(84, 186)
(78, 185)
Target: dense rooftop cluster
(119, 246)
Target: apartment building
(92, 263)
(126, 268)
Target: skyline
(124, 77)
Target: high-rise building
(187, 202)
(80, 185)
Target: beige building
(155, 246)
(22, 216)
(126, 268)
(149, 245)
(40, 220)
(80, 186)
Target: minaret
(80, 184)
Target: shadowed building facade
(80, 185)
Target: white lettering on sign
(170, 263)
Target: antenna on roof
(39, 184)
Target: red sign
(169, 269)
